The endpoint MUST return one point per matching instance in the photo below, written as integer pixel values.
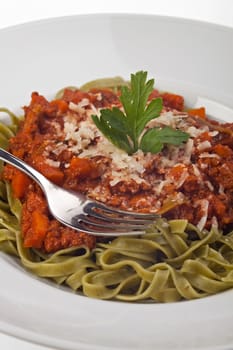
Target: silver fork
(80, 213)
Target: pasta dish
(173, 161)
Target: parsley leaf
(134, 101)
(154, 139)
(117, 137)
(124, 129)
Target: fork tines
(104, 221)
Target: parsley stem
(125, 129)
(135, 145)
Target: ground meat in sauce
(193, 181)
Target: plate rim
(115, 15)
(28, 335)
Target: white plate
(187, 57)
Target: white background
(19, 11)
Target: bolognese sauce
(193, 181)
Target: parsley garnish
(126, 129)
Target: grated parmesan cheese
(208, 155)
(204, 203)
(168, 118)
(79, 107)
(209, 185)
(52, 163)
(195, 132)
(203, 145)
(221, 189)
(196, 171)
(188, 151)
(83, 139)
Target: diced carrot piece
(223, 151)
(20, 183)
(173, 101)
(205, 136)
(169, 188)
(82, 167)
(198, 112)
(177, 171)
(40, 224)
(61, 105)
(53, 174)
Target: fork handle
(24, 167)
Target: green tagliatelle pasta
(109, 83)
(164, 265)
(172, 261)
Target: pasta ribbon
(164, 265)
